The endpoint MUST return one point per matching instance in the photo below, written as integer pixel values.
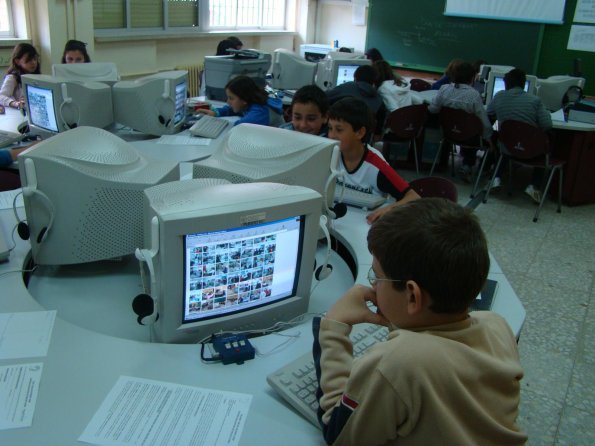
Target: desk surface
(82, 365)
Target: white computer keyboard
(208, 127)
(297, 383)
(358, 199)
(9, 138)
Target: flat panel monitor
(229, 257)
(291, 72)
(336, 71)
(219, 70)
(56, 104)
(254, 153)
(105, 72)
(496, 84)
(153, 104)
(83, 195)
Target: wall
(334, 22)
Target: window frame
(166, 31)
(11, 33)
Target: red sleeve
(389, 181)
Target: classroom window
(233, 14)
(135, 14)
(208, 14)
(6, 24)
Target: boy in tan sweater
(444, 375)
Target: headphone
(166, 106)
(28, 191)
(340, 208)
(572, 96)
(143, 305)
(325, 270)
(67, 102)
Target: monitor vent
(201, 171)
(176, 194)
(105, 233)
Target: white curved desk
(83, 365)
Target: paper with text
(145, 412)
(7, 197)
(25, 335)
(18, 394)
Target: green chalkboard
(416, 34)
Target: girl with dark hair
(245, 98)
(75, 51)
(24, 60)
(393, 89)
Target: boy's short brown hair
(438, 244)
(353, 111)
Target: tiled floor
(551, 266)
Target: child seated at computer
(393, 90)
(444, 375)
(245, 98)
(363, 167)
(309, 110)
(24, 60)
(75, 51)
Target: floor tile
(576, 428)
(539, 417)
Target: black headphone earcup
(23, 230)
(143, 305)
(41, 235)
(161, 119)
(340, 209)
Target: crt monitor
(290, 71)
(228, 257)
(495, 84)
(57, 104)
(219, 70)
(255, 153)
(105, 72)
(154, 104)
(335, 71)
(83, 195)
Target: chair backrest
(460, 127)
(407, 122)
(435, 187)
(419, 85)
(522, 141)
(552, 90)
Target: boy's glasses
(373, 279)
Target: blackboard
(415, 34)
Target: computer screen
(336, 70)
(290, 71)
(254, 153)
(219, 70)
(495, 84)
(153, 104)
(56, 104)
(229, 257)
(83, 195)
(105, 72)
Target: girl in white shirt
(394, 91)
(24, 60)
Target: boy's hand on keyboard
(375, 215)
(353, 308)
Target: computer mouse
(23, 127)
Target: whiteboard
(540, 11)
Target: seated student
(514, 103)
(444, 376)
(363, 87)
(309, 109)
(364, 167)
(393, 90)
(75, 51)
(448, 75)
(24, 60)
(9, 156)
(373, 54)
(249, 101)
(461, 95)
